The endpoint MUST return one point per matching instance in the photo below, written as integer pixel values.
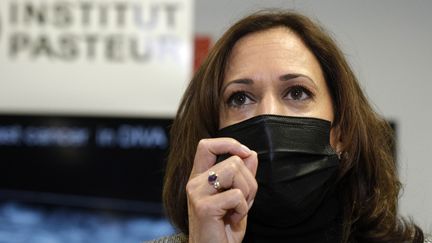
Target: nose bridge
(270, 104)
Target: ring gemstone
(212, 177)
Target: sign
(123, 57)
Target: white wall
(389, 44)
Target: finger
(248, 183)
(232, 205)
(231, 173)
(209, 149)
(251, 162)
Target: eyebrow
(285, 77)
(290, 76)
(237, 81)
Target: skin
(267, 66)
(268, 72)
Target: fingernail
(251, 203)
(245, 149)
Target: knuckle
(232, 142)
(255, 154)
(237, 193)
(246, 191)
(244, 208)
(191, 187)
(236, 162)
(254, 187)
(203, 143)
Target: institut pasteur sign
(94, 56)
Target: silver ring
(216, 185)
(213, 180)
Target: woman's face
(273, 72)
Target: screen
(100, 162)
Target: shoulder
(176, 238)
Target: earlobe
(336, 141)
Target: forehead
(276, 37)
(278, 50)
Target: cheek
(222, 119)
(327, 112)
(325, 108)
(228, 117)
(324, 101)
(225, 117)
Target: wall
(388, 43)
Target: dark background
(127, 168)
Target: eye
(238, 99)
(299, 92)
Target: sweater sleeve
(428, 238)
(176, 238)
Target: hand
(221, 216)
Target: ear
(336, 139)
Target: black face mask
(296, 178)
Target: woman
(324, 172)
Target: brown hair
(367, 171)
